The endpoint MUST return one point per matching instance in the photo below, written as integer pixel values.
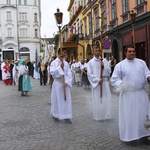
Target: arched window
(24, 49)
(10, 48)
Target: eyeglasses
(131, 51)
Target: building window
(125, 6)
(36, 33)
(96, 20)
(22, 16)
(84, 4)
(80, 30)
(25, 2)
(140, 1)
(113, 9)
(103, 15)
(23, 32)
(35, 2)
(78, 27)
(85, 27)
(35, 17)
(73, 10)
(8, 2)
(24, 49)
(141, 7)
(9, 32)
(19, 2)
(8, 15)
(90, 24)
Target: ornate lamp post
(59, 16)
(133, 16)
(101, 48)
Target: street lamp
(133, 16)
(59, 16)
(101, 48)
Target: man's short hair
(129, 46)
(63, 49)
(95, 45)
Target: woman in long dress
(24, 82)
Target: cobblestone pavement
(26, 124)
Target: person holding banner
(61, 103)
(101, 101)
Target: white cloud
(48, 22)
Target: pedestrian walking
(61, 108)
(113, 62)
(73, 71)
(50, 76)
(77, 70)
(15, 73)
(24, 82)
(11, 70)
(85, 80)
(43, 72)
(6, 73)
(101, 105)
(129, 78)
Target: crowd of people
(16, 73)
(128, 77)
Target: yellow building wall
(132, 5)
(81, 50)
(119, 11)
(148, 5)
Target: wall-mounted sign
(106, 44)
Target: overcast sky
(48, 22)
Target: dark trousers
(20, 83)
(43, 79)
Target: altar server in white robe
(101, 105)
(61, 108)
(129, 78)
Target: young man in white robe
(129, 78)
(61, 107)
(101, 103)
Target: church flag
(36, 60)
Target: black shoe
(145, 141)
(133, 143)
(23, 94)
(68, 121)
(55, 119)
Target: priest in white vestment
(61, 108)
(101, 105)
(129, 78)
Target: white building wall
(16, 41)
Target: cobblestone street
(26, 124)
